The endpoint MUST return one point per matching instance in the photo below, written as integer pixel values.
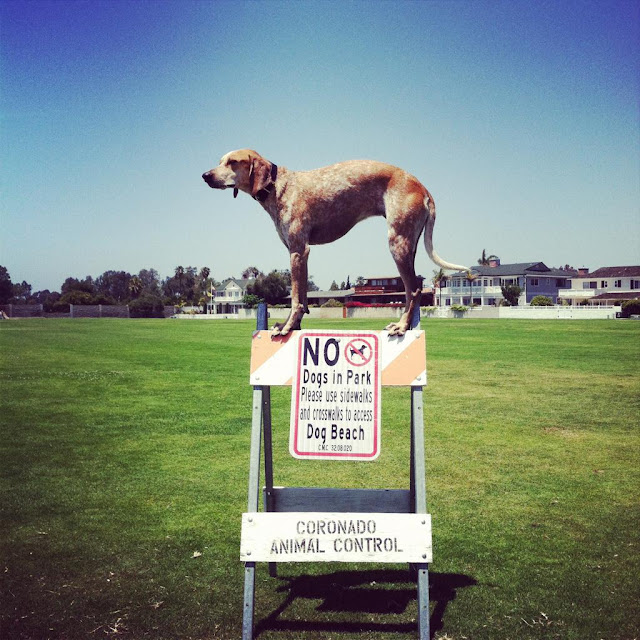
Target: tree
(470, 278)
(76, 296)
(273, 289)
(485, 260)
(6, 286)
(46, 298)
(251, 272)
(21, 292)
(147, 306)
(135, 287)
(150, 281)
(541, 301)
(182, 286)
(73, 284)
(438, 277)
(114, 285)
(251, 301)
(511, 294)
(334, 286)
(202, 286)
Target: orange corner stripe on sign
(264, 347)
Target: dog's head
(243, 170)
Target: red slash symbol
(358, 352)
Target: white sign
(336, 537)
(335, 397)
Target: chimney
(583, 271)
(494, 262)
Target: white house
(228, 298)
(603, 286)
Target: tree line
(187, 286)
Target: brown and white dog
(320, 206)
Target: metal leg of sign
(261, 414)
(419, 492)
(252, 507)
(268, 461)
(420, 503)
(249, 591)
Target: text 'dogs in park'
(335, 401)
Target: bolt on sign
(335, 397)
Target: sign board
(336, 537)
(402, 359)
(335, 397)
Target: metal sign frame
(313, 499)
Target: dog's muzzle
(215, 183)
(210, 179)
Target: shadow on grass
(377, 591)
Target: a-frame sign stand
(344, 501)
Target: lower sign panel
(336, 537)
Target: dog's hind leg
(403, 250)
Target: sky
(521, 118)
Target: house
(377, 291)
(318, 298)
(228, 298)
(603, 286)
(533, 278)
(387, 290)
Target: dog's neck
(263, 193)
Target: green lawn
(124, 468)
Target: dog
(320, 206)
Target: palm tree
(470, 278)
(485, 260)
(135, 286)
(438, 277)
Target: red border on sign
(376, 398)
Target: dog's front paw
(396, 328)
(280, 329)
(277, 329)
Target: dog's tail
(428, 237)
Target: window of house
(561, 282)
(633, 284)
(604, 284)
(592, 284)
(533, 282)
(617, 284)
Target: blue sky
(521, 118)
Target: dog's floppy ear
(259, 175)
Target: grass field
(124, 467)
